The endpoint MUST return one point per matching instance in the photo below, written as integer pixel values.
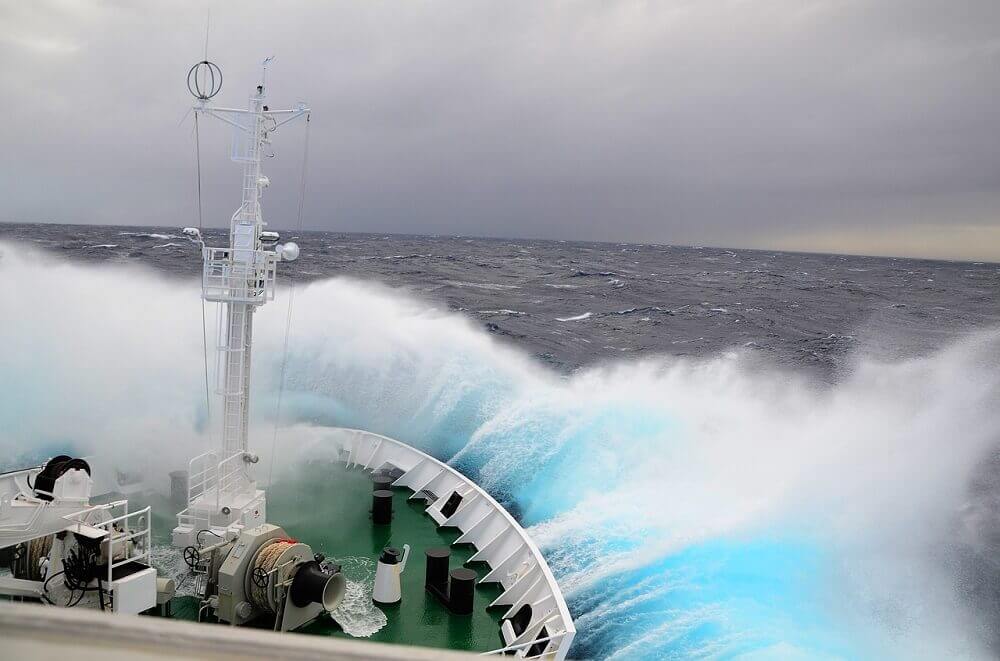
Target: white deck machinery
(65, 551)
(247, 567)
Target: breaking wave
(149, 235)
(715, 507)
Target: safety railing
(203, 474)
(196, 522)
(208, 477)
(232, 477)
(127, 527)
(238, 275)
(123, 537)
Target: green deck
(327, 506)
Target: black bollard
(381, 507)
(436, 577)
(461, 591)
(381, 483)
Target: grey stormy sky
(831, 125)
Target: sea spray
(689, 507)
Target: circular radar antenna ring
(204, 80)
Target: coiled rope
(266, 561)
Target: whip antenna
(288, 317)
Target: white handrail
(124, 538)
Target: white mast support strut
(222, 490)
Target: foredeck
(327, 505)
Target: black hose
(71, 604)
(197, 535)
(80, 567)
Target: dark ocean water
(572, 304)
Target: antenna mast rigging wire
(291, 300)
(201, 228)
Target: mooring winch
(264, 572)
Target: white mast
(222, 491)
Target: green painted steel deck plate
(327, 506)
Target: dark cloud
(800, 123)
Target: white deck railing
(232, 476)
(207, 478)
(203, 474)
(238, 275)
(118, 532)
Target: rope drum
(28, 557)
(267, 559)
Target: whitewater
(718, 505)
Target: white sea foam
(356, 614)
(579, 317)
(151, 235)
(483, 285)
(169, 562)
